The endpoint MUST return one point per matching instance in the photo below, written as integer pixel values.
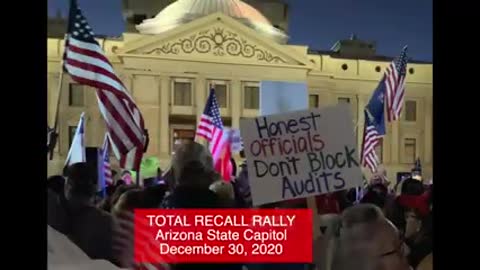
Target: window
(76, 96)
(410, 149)
(343, 100)
(313, 101)
(71, 134)
(410, 110)
(182, 93)
(379, 150)
(181, 136)
(221, 93)
(251, 97)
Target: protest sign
(300, 154)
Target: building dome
(184, 11)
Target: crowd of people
(387, 228)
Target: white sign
(279, 97)
(300, 154)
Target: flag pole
(138, 178)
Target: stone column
(428, 139)
(236, 102)
(164, 115)
(395, 142)
(200, 95)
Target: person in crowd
(193, 173)
(376, 194)
(224, 191)
(154, 195)
(365, 240)
(412, 186)
(128, 201)
(88, 227)
(56, 215)
(393, 210)
(234, 167)
(56, 184)
(241, 187)
(107, 203)
(418, 226)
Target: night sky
(316, 23)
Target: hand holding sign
(300, 154)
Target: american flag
(211, 129)
(370, 141)
(395, 85)
(85, 61)
(107, 169)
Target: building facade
(169, 74)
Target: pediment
(216, 37)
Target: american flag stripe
(395, 76)
(86, 63)
(132, 160)
(370, 141)
(118, 135)
(107, 170)
(117, 108)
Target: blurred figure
(241, 187)
(56, 214)
(418, 226)
(193, 173)
(394, 210)
(153, 196)
(224, 191)
(110, 201)
(376, 194)
(365, 240)
(56, 184)
(88, 227)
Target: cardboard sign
(300, 154)
(280, 97)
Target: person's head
(128, 201)
(119, 191)
(192, 165)
(56, 183)
(224, 191)
(376, 194)
(366, 240)
(80, 182)
(417, 214)
(411, 186)
(417, 224)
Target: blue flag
(375, 108)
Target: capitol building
(168, 60)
